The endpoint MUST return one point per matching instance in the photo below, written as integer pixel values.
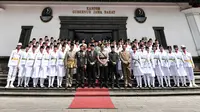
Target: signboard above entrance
(93, 10)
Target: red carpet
(92, 98)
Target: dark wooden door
(89, 35)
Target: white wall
(169, 17)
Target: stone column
(193, 18)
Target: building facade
(176, 22)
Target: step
(111, 94)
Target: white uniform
(173, 64)
(180, 62)
(61, 71)
(37, 65)
(22, 69)
(173, 67)
(165, 67)
(181, 69)
(136, 67)
(189, 65)
(13, 64)
(52, 67)
(22, 63)
(45, 65)
(158, 63)
(29, 64)
(76, 48)
(157, 67)
(60, 64)
(146, 67)
(29, 67)
(52, 63)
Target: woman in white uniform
(52, 66)
(165, 66)
(37, 66)
(181, 69)
(60, 66)
(189, 65)
(173, 66)
(22, 69)
(144, 63)
(136, 66)
(29, 65)
(158, 63)
(13, 64)
(150, 67)
(45, 67)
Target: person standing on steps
(158, 63)
(189, 66)
(173, 66)
(37, 66)
(92, 61)
(13, 65)
(52, 66)
(113, 59)
(181, 69)
(103, 65)
(70, 65)
(61, 71)
(136, 66)
(45, 66)
(81, 58)
(165, 66)
(22, 69)
(126, 68)
(29, 65)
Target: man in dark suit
(113, 60)
(81, 58)
(91, 61)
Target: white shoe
(12, 86)
(193, 83)
(7, 86)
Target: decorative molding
(71, 23)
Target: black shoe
(76, 86)
(89, 86)
(82, 85)
(101, 85)
(93, 85)
(106, 85)
(112, 86)
(118, 86)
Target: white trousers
(190, 73)
(11, 75)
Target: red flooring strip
(92, 98)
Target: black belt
(103, 58)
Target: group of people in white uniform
(163, 64)
(146, 63)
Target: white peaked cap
(19, 44)
(183, 46)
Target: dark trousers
(103, 75)
(113, 70)
(91, 74)
(80, 75)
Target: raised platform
(62, 92)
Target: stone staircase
(69, 92)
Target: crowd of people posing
(106, 61)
